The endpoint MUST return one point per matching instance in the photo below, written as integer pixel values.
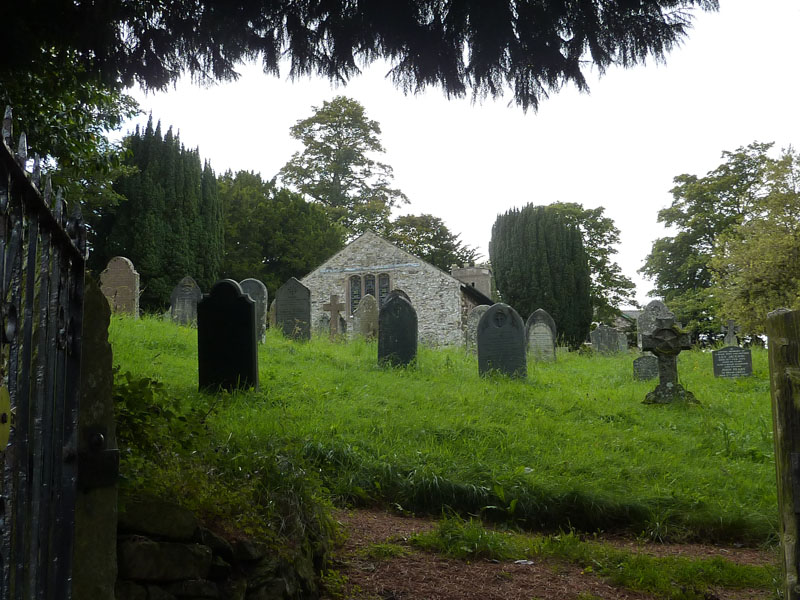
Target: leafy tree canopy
(429, 238)
(530, 47)
(609, 287)
(336, 167)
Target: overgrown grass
(666, 577)
(572, 447)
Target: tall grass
(570, 447)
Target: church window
(355, 292)
(369, 285)
(383, 288)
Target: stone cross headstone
(227, 349)
(397, 332)
(732, 361)
(471, 331)
(666, 342)
(258, 293)
(365, 318)
(293, 310)
(540, 333)
(607, 340)
(334, 307)
(730, 330)
(646, 323)
(119, 283)
(645, 367)
(183, 301)
(501, 342)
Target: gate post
(783, 330)
(95, 556)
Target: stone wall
(435, 295)
(478, 277)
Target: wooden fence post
(783, 330)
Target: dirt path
(424, 576)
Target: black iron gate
(42, 257)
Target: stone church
(372, 265)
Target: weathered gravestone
(397, 292)
(730, 330)
(227, 349)
(471, 332)
(293, 310)
(732, 362)
(666, 342)
(608, 340)
(272, 315)
(258, 293)
(119, 283)
(646, 323)
(334, 307)
(501, 342)
(540, 333)
(365, 318)
(645, 367)
(183, 301)
(397, 332)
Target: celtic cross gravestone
(667, 342)
(730, 330)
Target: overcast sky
(733, 81)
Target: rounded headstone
(258, 293)
(397, 332)
(501, 342)
(540, 334)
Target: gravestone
(227, 349)
(646, 323)
(183, 301)
(471, 332)
(293, 310)
(730, 330)
(397, 332)
(732, 362)
(397, 292)
(666, 342)
(501, 342)
(258, 293)
(607, 340)
(272, 315)
(645, 367)
(540, 334)
(365, 319)
(334, 307)
(119, 283)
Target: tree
(335, 168)
(703, 209)
(539, 261)
(271, 233)
(756, 263)
(170, 221)
(532, 48)
(609, 288)
(429, 238)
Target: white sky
(734, 81)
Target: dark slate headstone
(471, 333)
(397, 292)
(645, 367)
(293, 310)
(646, 323)
(397, 332)
(183, 301)
(501, 342)
(540, 333)
(227, 349)
(258, 293)
(732, 361)
(607, 340)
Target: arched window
(383, 288)
(355, 292)
(369, 285)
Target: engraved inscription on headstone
(645, 367)
(732, 361)
(258, 293)
(365, 318)
(293, 310)
(471, 330)
(183, 301)
(119, 283)
(540, 332)
(227, 350)
(397, 332)
(646, 323)
(607, 340)
(501, 342)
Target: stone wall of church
(435, 295)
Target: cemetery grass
(570, 449)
